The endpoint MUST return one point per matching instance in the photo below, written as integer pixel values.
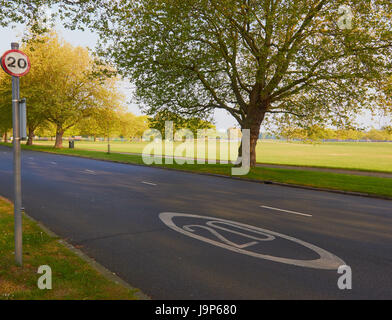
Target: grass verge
(334, 181)
(364, 156)
(72, 277)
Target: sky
(222, 118)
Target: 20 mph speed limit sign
(15, 63)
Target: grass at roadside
(366, 156)
(72, 277)
(370, 185)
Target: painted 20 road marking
(326, 260)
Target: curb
(298, 186)
(351, 193)
(94, 264)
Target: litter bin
(71, 144)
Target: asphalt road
(114, 212)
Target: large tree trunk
(59, 137)
(254, 137)
(5, 137)
(30, 138)
(253, 122)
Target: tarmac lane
(177, 235)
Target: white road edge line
(149, 183)
(288, 211)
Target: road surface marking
(149, 183)
(326, 260)
(52, 162)
(288, 211)
(89, 171)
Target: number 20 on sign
(15, 63)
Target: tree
(139, 127)
(348, 134)
(65, 86)
(376, 135)
(387, 129)
(250, 58)
(48, 130)
(5, 106)
(131, 126)
(35, 85)
(19, 11)
(102, 122)
(193, 124)
(123, 124)
(291, 132)
(158, 122)
(90, 126)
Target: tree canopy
(26, 11)
(193, 124)
(64, 85)
(248, 57)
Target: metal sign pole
(17, 167)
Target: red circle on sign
(5, 68)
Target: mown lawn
(367, 156)
(334, 181)
(72, 277)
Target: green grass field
(376, 156)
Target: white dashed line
(149, 183)
(89, 171)
(288, 211)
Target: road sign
(15, 63)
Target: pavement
(177, 235)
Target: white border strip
(149, 183)
(288, 211)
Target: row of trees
(70, 92)
(105, 125)
(302, 59)
(193, 124)
(317, 133)
(66, 88)
(305, 59)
